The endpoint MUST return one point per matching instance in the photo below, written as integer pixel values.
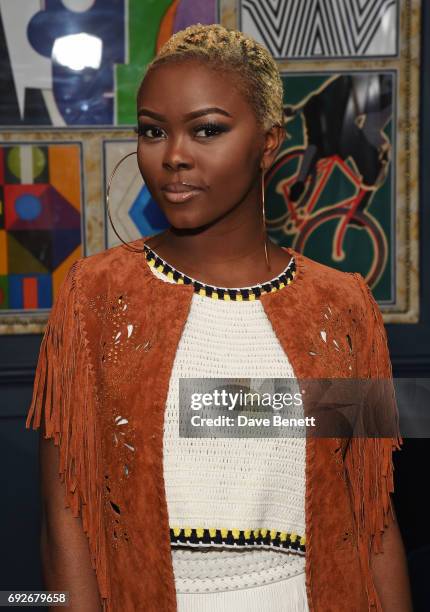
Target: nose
(176, 157)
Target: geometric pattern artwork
(133, 210)
(331, 190)
(34, 87)
(300, 29)
(40, 222)
(79, 62)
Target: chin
(185, 220)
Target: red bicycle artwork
(355, 151)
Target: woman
(212, 524)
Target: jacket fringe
(369, 460)
(64, 396)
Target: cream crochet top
(236, 505)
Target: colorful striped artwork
(40, 222)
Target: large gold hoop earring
(264, 220)
(109, 184)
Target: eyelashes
(214, 128)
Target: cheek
(232, 159)
(231, 170)
(149, 161)
(145, 161)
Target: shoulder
(110, 268)
(347, 292)
(120, 256)
(329, 283)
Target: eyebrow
(188, 116)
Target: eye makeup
(210, 126)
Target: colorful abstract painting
(79, 62)
(133, 211)
(312, 29)
(331, 190)
(40, 222)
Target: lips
(180, 192)
(180, 187)
(181, 196)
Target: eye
(146, 129)
(205, 131)
(211, 129)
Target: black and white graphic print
(313, 29)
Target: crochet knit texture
(221, 490)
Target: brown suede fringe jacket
(106, 357)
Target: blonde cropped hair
(257, 72)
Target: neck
(214, 247)
(227, 258)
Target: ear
(274, 138)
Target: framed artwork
(316, 29)
(332, 188)
(344, 187)
(42, 225)
(77, 63)
(349, 200)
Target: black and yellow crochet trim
(222, 293)
(238, 537)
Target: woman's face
(196, 127)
